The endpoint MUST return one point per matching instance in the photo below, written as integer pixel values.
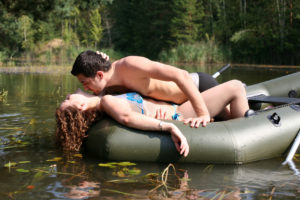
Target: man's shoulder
(130, 59)
(132, 62)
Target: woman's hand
(179, 139)
(106, 57)
(160, 114)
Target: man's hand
(195, 122)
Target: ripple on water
(9, 115)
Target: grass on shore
(207, 51)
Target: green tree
(11, 42)
(27, 32)
(185, 25)
(252, 31)
(38, 9)
(96, 27)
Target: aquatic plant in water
(3, 95)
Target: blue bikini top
(135, 98)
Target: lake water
(31, 167)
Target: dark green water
(31, 167)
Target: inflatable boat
(265, 134)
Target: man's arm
(157, 70)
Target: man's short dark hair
(88, 63)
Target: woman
(80, 110)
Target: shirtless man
(149, 78)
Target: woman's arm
(122, 112)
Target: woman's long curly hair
(72, 125)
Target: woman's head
(79, 100)
(72, 125)
(73, 118)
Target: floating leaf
(125, 169)
(123, 181)
(10, 128)
(25, 142)
(22, 170)
(134, 171)
(55, 159)
(13, 146)
(119, 174)
(151, 175)
(55, 172)
(32, 121)
(125, 164)
(107, 165)
(10, 164)
(23, 162)
(79, 155)
(113, 163)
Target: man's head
(88, 63)
(89, 68)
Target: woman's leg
(230, 93)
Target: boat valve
(292, 94)
(275, 119)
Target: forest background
(54, 32)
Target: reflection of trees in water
(181, 190)
(83, 190)
(293, 167)
(79, 183)
(74, 177)
(174, 183)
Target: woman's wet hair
(88, 63)
(72, 125)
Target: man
(135, 73)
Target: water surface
(31, 167)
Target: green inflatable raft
(263, 135)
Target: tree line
(240, 31)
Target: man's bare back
(136, 80)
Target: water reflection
(294, 168)
(184, 191)
(54, 175)
(83, 190)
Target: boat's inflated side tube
(264, 135)
(285, 86)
